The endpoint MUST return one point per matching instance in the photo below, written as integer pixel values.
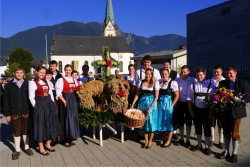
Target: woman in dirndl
(67, 107)
(168, 91)
(45, 123)
(148, 90)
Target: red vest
(68, 86)
(42, 90)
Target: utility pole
(46, 65)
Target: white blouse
(33, 88)
(157, 87)
(59, 85)
(173, 86)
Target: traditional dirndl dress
(165, 107)
(45, 121)
(145, 102)
(68, 116)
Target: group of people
(45, 109)
(171, 101)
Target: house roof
(2, 62)
(165, 54)
(87, 45)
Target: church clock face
(109, 27)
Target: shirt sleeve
(157, 75)
(136, 79)
(59, 87)
(32, 90)
(174, 86)
(190, 93)
(139, 84)
(157, 85)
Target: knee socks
(227, 144)
(17, 143)
(26, 141)
(182, 132)
(212, 133)
(207, 142)
(220, 130)
(235, 147)
(199, 139)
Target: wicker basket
(133, 123)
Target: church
(81, 50)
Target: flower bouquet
(225, 99)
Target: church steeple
(109, 22)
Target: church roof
(87, 45)
(109, 15)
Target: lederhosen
(201, 115)
(45, 120)
(68, 115)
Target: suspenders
(205, 95)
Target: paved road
(87, 151)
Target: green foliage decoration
(95, 117)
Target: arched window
(121, 66)
(73, 64)
(99, 70)
(86, 62)
(130, 62)
(60, 66)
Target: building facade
(220, 35)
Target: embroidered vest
(68, 86)
(42, 90)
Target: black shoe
(234, 158)
(175, 136)
(53, 143)
(208, 151)
(224, 155)
(197, 148)
(163, 146)
(188, 144)
(180, 142)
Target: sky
(142, 17)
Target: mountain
(34, 39)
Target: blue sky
(141, 17)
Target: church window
(130, 62)
(121, 66)
(86, 62)
(73, 64)
(60, 66)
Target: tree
(22, 57)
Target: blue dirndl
(145, 103)
(165, 115)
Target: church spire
(109, 15)
(109, 22)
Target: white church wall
(81, 59)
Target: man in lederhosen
(217, 73)
(231, 118)
(197, 93)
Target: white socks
(199, 139)
(26, 141)
(188, 132)
(212, 133)
(17, 143)
(220, 130)
(182, 132)
(207, 142)
(235, 147)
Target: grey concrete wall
(213, 38)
